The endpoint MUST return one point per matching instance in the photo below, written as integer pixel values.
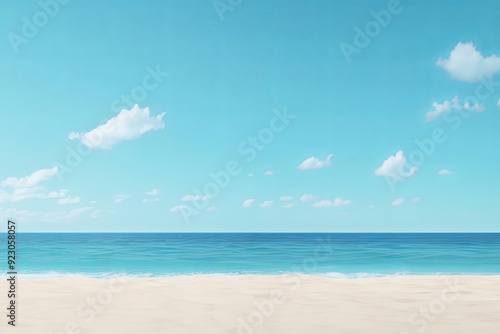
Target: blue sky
(315, 115)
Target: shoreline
(245, 304)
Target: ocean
(348, 255)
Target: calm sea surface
(334, 255)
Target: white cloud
(120, 198)
(30, 180)
(335, 203)
(248, 203)
(286, 198)
(307, 197)
(178, 209)
(398, 201)
(315, 163)
(290, 205)
(69, 200)
(415, 200)
(194, 198)
(127, 125)
(498, 102)
(393, 167)
(153, 192)
(466, 63)
(266, 204)
(445, 172)
(211, 208)
(269, 173)
(21, 194)
(150, 200)
(440, 109)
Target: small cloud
(315, 163)
(268, 173)
(150, 200)
(498, 102)
(127, 125)
(307, 197)
(69, 200)
(194, 198)
(440, 109)
(393, 167)
(21, 194)
(120, 198)
(466, 63)
(335, 203)
(398, 202)
(250, 174)
(415, 200)
(286, 198)
(290, 205)
(93, 202)
(266, 204)
(178, 209)
(30, 180)
(153, 192)
(445, 172)
(211, 208)
(248, 203)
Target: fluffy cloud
(211, 209)
(120, 198)
(286, 198)
(69, 200)
(290, 205)
(466, 63)
(153, 192)
(30, 180)
(248, 203)
(440, 109)
(306, 197)
(315, 163)
(398, 202)
(415, 200)
(335, 203)
(127, 125)
(445, 172)
(269, 173)
(194, 198)
(266, 204)
(393, 167)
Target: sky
(239, 116)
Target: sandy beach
(256, 304)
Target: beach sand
(256, 304)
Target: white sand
(257, 304)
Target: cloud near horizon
(335, 203)
(127, 125)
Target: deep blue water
(346, 254)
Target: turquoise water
(335, 255)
